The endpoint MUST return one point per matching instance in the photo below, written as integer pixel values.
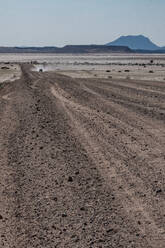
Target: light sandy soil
(120, 72)
(96, 65)
(105, 66)
(9, 72)
(82, 162)
(61, 59)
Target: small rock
(70, 179)
(158, 191)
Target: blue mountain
(135, 42)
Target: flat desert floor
(82, 149)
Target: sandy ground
(9, 72)
(154, 73)
(136, 67)
(82, 162)
(61, 59)
(117, 66)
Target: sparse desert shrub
(127, 70)
(108, 71)
(151, 71)
(34, 62)
(5, 68)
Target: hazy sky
(61, 22)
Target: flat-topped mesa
(95, 49)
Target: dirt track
(82, 162)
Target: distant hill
(159, 51)
(27, 49)
(68, 49)
(135, 42)
(95, 49)
(124, 44)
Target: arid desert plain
(82, 151)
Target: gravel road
(82, 162)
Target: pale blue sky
(61, 22)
